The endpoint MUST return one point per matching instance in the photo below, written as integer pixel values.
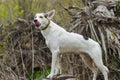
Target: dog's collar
(46, 25)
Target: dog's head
(42, 20)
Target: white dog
(60, 41)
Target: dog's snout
(35, 20)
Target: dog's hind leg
(103, 69)
(97, 58)
(90, 64)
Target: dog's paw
(50, 75)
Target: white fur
(60, 41)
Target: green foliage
(38, 74)
(45, 72)
(3, 12)
(17, 12)
(10, 10)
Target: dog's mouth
(37, 24)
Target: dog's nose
(35, 20)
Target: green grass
(39, 74)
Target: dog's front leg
(58, 65)
(53, 65)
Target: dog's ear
(50, 14)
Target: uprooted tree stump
(99, 20)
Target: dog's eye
(41, 17)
